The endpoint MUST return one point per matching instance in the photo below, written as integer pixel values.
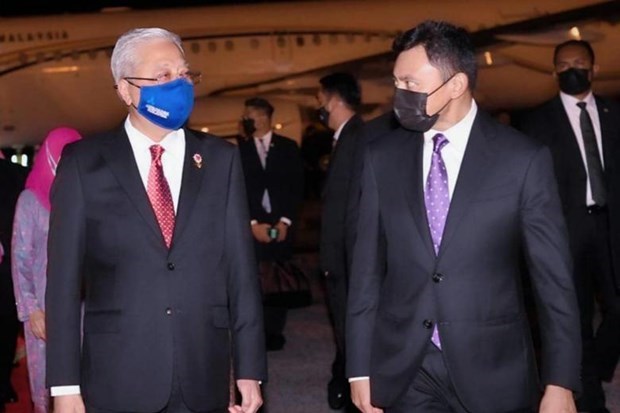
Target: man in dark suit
(435, 318)
(585, 144)
(273, 173)
(12, 178)
(339, 97)
(150, 221)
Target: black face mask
(574, 81)
(410, 109)
(248, 127)
(323, 115)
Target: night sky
(10, 8)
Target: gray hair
(124, 53)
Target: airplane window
(212, 46)
(75, 55)
(301, 41)
(281, 41)
(333, 38)
(195, 46)
(254, 43)
(229, 45)
(316, 39)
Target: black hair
(580, 43)
(260, 103)
(449, 48)
(344, 85)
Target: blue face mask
(167, 105)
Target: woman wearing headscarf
(29, 256)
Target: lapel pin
(197, 160)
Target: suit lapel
(119, 156)
(607, 132)
(475, 166)
(413, 185)
(191, 181)
(567, 135)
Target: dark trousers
(9, 328)
(594, 279)
(337, 302)
(432, 391)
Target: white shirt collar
(173, 143)
(266, 138)
(340, 128)
(458, 134)
(570, 101)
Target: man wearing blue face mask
(149, 226)
(436, 319)
(583, 132)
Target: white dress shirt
(452, 154)
(172, 161)
(573, 112)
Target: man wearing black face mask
(339, 96)
(583, 132)
(273, 173)
(436, 321)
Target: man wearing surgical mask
(148, 228)
(436, 320)
(273, 173)
(583, 131)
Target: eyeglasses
(191, 77)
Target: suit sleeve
(243, 290)
(66, 246)
(550, 267)
(365, 277)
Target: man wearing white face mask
(150, 221)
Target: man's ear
(122, 89)
(459, 84)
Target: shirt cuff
(286, 221)
(352, 379)
(64, 390)
(253, 222)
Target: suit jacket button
(168, 311)
(428, 324)
(437, 277)
(171, 266)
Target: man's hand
(251, 398)
(360, 395)
(260, 232)
(557, 400)
(69, 404)
(36, 320)
(282, 230)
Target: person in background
(273, 172)
(29, 257)
(339, 97)
(582, 130)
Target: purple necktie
(437, 200)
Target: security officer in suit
(583, 131)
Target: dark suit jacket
(282, 177)
(505, 199)
(340, 175)
(12, 178)
(549, 123)
(149, 312)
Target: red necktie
(159, 194)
